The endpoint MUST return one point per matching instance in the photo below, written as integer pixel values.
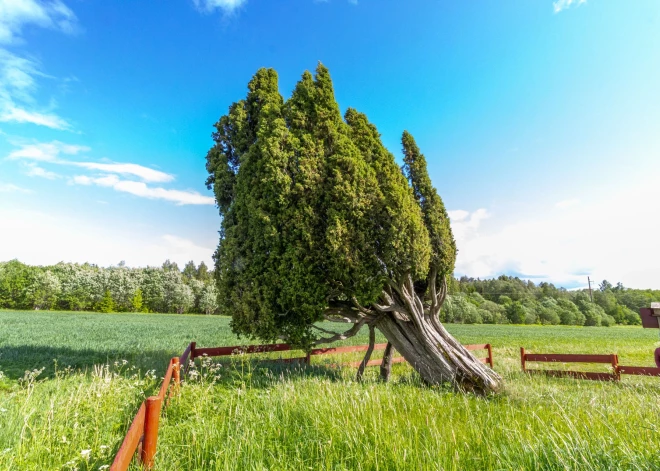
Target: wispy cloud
(13, 113)
(561, 5)
(16, 14)
(227, 6)
(53, 152)
(142, 190)
(144, 173)
(11, 188)
(45, 151)
(33, 170)
(464, 223)
(563, 246)
(107, 173)
(18, 86)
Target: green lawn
(247, 416)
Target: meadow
(71, 383)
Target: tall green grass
(316, 420)
(246, 415)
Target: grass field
(73, 413)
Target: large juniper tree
(319, 222)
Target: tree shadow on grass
(15, 360)
(260, 373)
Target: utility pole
(591, 296)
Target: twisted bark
(386, 365)
(412, 327)
(367, 355)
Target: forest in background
(87, 287)
(169, 289)
(510, 300)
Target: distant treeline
(86, 287)
(504, 300)
(511, 300)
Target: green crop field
(71, 383)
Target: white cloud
(458, 215)
(82, 180)
(561, 5)
(614, 238)
(227, 6)
(39, 238)
(11, 188)
(45, 151)
(12, 113)
(17, 88)
(142, 190)
(52, 152)
(464, 223)
(144, 173)
(16, 14)
(33, 170)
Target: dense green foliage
(315, 210)
(248, 417)
(120, 289)
(86, 287)
(508, 299)
(443, 246)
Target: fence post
(191, 357)
(176, 371)
(522, 359)
(615, 367)
(151, 420)
(490, 354)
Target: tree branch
(324, 330)
(367, 355)
(343, 335)
(341, 320)
(386, 366)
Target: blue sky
(540, 121)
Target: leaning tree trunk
(436, 355)
(412, 327)
(386, 365)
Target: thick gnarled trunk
(437, 356)
(410, 324)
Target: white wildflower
(86, 453)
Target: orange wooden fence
(570, 358)
(281, 347)
(639, 370)
(612, 359)
(143, 432)
(142, 435)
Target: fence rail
(611, 359)
(281, 347)
(142, 435)
(639, 370)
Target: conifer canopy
(315, 210)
